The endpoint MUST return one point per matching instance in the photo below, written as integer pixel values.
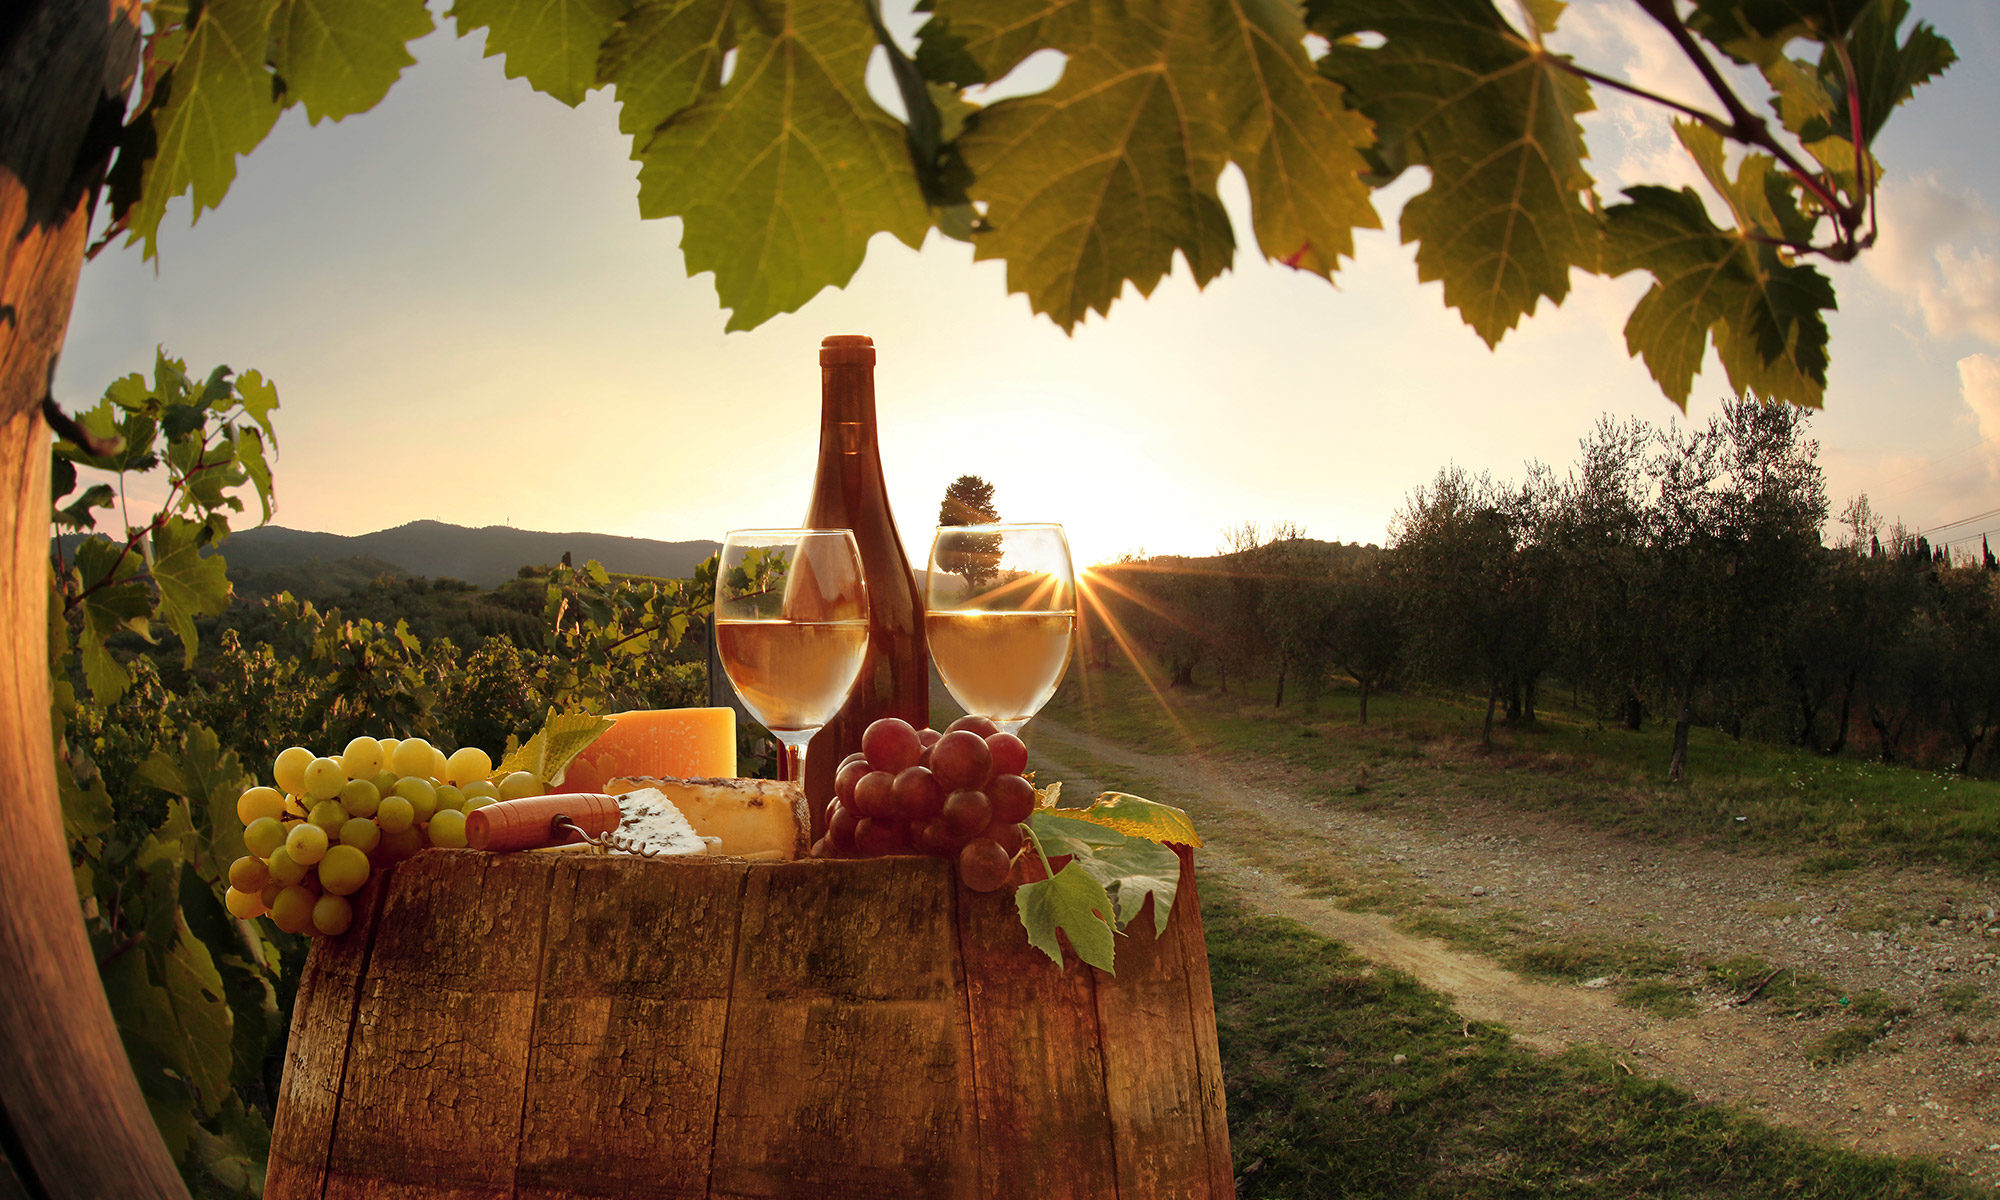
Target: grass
(1840, 813)
(1320, 1106)
(1660, 998)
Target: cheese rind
(659, 742)
(754, 818)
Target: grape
(1010, 754)
(966, 812)
(821, 849)
(874, 795)
(263, 835)
(293, 909)
(412, 757)
(389, 752)
(384, 781)
(449, 798)
(243, 905)
(479, 800)
(270, 893)
(331, 915)
(936, 838)
(1010, 837)
(849, 775)
(285, 870)
(877, 836)
(306, 843)
(840, 825)
(360, 798)
(401, 844)
(979, 725)
(324, 779)
(328, 815)
(361, 833)
(983, 865)
(440, 765)
(343, 870)
(891, 745)
(362, 758)
(520, 784)
(447, 828)
(249, 874)
(928, 737)
(856, 757)
(260, 802)
(396, 815)
(918, 795)
(961, 760)
(468, 764)
(1013, 798)
(480, 787)
(421, 794)
(290, 769)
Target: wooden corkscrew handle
(537, 821)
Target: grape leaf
(259, 397)
(210, 779)
(114, 597)
(200, 1032)
(1072, 902)
(1133, 871)
(547, 754)
(1755, 31)
(191, 583)
(553, 44)
(339, 57)
(1059, 832)
(1887, 72)
(1101, 180)
(782, 176)
(1454, 88)
(1763, 313)
(218, 105)
(662, 56)
(1138, 817)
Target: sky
(467, 321)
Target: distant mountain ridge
(486, 557)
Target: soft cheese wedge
(649, 823)
(753, 818)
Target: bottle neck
(847, 411)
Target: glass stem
(794, 770)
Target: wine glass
(791, 628)
(1000, 611)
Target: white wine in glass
(791, 628)
(1000, 617)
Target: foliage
(782, 169)
(968, 500)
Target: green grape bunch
(325, 824)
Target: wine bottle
(848, 493)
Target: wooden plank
(431, 1105)
(847, 1070)
(1185, 928)
(627, 1044)
(323, 1017)
(1158, 1131)
(1044, 1122)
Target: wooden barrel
(554, 1025)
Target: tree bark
(1486, 730)
(1364, 700)
(1683, 721)
(67, 1095)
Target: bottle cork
(540, 821)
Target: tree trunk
(1683, 721)
(1633, 712)
(1183, 676)
(1528, 691)
(1364, 700)
(1486, 730)
(1279, 700)
(1839, 742)
(75, 1123)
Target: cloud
(1934, 255)
(1979, 387)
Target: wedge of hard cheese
(753, 818)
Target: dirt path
(1922, 940)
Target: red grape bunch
(957, 794)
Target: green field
(1841, 811)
